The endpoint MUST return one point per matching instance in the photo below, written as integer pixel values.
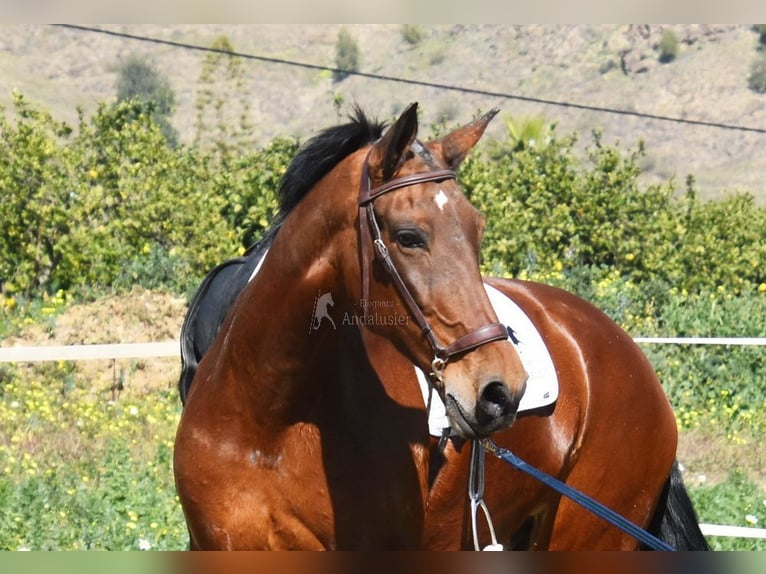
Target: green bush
(668, 46)
(524, 132)
(550, 213)
(760, 29)
(756, 81)
(412, 34)
(110, 203)
(718, 245)
(716, 386)
(35, 215)
(547, 212)
(139, 79)
(346, 54)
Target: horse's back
(209, 307)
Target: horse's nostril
(495, 400)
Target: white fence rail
(172, 349)
(89, 352)
(732, 531)
(735, 341)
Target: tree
(757, 78)
(346, 54)
(223, 102)
(412, 34)
(668, 46)
(139, 79)
(760, 29)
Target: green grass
(80, 472)
(738, 502)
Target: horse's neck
(269, 337)
(286, 362)
(277, 337)
(336, 396)
(287, 347)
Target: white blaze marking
(441, 199)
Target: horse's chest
(309, 495)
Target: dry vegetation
(138, 317)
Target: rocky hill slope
(609, 66)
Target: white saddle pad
(542, 386)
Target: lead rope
(476, 497)
(583, 500)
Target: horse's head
(419, 241)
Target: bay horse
(298, 435)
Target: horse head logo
(321, 304)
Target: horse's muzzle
(495, 409)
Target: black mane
(222, 285)
(320, 154)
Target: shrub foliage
(109, 200)
(346, 54)
(412, 34)
(138, 78)
(549, 212)
(668, 46)
(756, 81)
(109, 204)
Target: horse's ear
(389, 153)
(454, 147)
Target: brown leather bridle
(369, 232)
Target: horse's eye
(410, 239)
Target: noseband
(369, 231)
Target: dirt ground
(139, 317)
(709, 457)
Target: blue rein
(582, 499)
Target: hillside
(599, 65)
